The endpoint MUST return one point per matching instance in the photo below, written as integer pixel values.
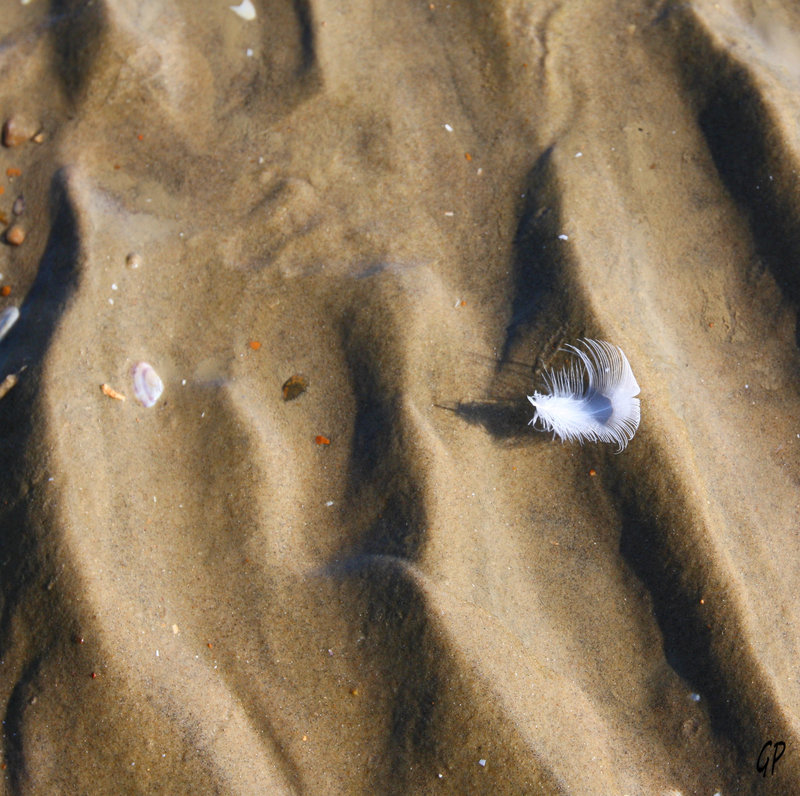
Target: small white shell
(8, 317)
(147, 385)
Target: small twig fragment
(111, 392)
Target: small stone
(38, 138)
(19, 206)
(294, 387)
(133, 260)
(15, 235)
(17, 130)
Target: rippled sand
(390, 583)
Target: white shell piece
(147, 385)
(8, 317)
(246, 10)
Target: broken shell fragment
(8, 317)
(147, 385)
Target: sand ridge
(390, 583)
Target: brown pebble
(133, 260)
(17, 130)
(38, 138)
(15, 235)
(294, 386)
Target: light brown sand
(199, 597)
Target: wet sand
(391, 583)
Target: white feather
(594, 399)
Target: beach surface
(350, 238)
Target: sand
(391, 583)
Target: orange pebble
(320, 440)
(593, 472)
(255, 345)
(2, 190)
(15, 235)
(12, 172)
(5, 290)
(467, 156)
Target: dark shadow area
(25, 346)
(745, 144)
(382, 486)
(302, 11)
(645, 547)
(397, 626)
(503, 419)
(77, 40)
(13, 721)
(539, 256)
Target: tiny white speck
(156, 653)
(563, 237)
(481, 762)
(449, 213)
(111, 301)
(448, 128)
(51, 479)
(154, 499)
(747, 386)
(260, 160)
(249, 52)
(328, 503)
(480, 171)
(579, 154)
(114, 287)
(202, 414)
(694, 697)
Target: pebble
(294, 387)
(15, 235)
(19, 206)
(17, 130)
(133, 260)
